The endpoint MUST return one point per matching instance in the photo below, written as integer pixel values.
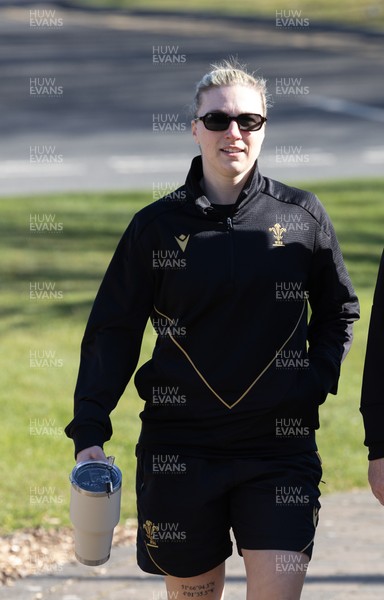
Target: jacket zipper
(231, 253)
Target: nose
(233, 130)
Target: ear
(194, 131)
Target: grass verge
(363, 13)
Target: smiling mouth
(232, 150)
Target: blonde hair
(229, 72)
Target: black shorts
(187, 506)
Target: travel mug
(95, 509)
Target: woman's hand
(92, 453)
(376, 478)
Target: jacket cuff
(85, 437)
(376, 451)
(327, 374)
(373, 427)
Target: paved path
(348, 563)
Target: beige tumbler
(95, 509)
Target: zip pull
(229, 223)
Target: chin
(237, 169)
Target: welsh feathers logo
(278, 231)
(150, 531)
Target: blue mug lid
(96, 477)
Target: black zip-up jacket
(228, 298)
(372, 397)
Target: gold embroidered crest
(278, 231)
(150, 529)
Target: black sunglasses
(217, 121)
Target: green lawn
(367, 13)
(67, 263)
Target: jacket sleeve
(334, 307)
(111, 344)
(372, 397)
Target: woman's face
(231, 153)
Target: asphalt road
(95, 100)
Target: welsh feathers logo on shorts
(150, 530)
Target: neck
(220, 190)
(220, 194)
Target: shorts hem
(280, 547)
(181, 572)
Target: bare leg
(274, 574)
(212, 582)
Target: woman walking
(225, 268)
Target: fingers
(92, 453)
(376, 478)
(379, 494)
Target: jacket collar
(195, 194)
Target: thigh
(208, 585)
(277, 506)
(183, 514)
(274, 574)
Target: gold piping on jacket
(257, 378)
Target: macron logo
(182, 240)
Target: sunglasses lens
(248, 122)
(216, 121)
